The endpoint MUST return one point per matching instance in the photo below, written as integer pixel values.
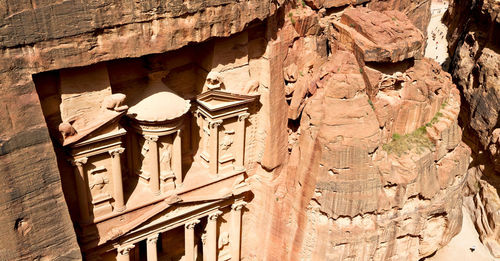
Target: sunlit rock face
(254, 130)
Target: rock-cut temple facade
(156, 176)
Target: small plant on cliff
(444, 104)
(371, 104)
(400, 144)
(291, 18)
(416, 140)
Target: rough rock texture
(359, 156)
(473, 29)
(343, 195)
(390, 206)
(39, 36)
(417, 11)
(386, 36)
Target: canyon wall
(473, 29)
(39, 36)
(358, 151)
(376, 166)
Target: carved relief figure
(66, 129)
(97, 179)
(144, 152)
(213, 81)
(166, 160)
(226, 142)
(115, 102)
(98, 182)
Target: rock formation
(473, 29)
(266, 130)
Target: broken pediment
(104, 125)
(217, 100)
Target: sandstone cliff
(473, 32)
(357, 151)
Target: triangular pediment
(104, 125)
(218, 100)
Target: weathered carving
(66, 129)
(251, 87)
(223, 239)
(243, 116)
(213, 81)
(238, 205)
(192, 224)
(98, 180)
(79, 162)
(166, 160)
(115, 102)
(226, 142)
(153, 239)
(125, 250)
(214, 124)
(215, 215)
(116, 152)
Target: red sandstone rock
(472, 35)
(325, 187)
(378, 36)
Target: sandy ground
(437, 46)
(459, 248)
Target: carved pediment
(217, 100)
(105, 124)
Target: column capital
(151, 137)
(125, 250)
(153, 239)
(79, 162)
(214, 124)
(191, 224)
(237, 206)
(116, 151)
(215, 215)
(243, 116)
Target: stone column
(116, 167)
(214, 146)
(152, 250)
(189, 240)
(212, 236)
(240, 142)
(235, 234)
(154, 179)
(81, 189)
(177, 158)
(124, 253)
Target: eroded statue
(115, 102)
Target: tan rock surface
(472, 30)
(50, 35)
(325, 182)
(386, 36)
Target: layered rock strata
(377, 166)
(473, 29)
(357, 151)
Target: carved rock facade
(260, 130)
